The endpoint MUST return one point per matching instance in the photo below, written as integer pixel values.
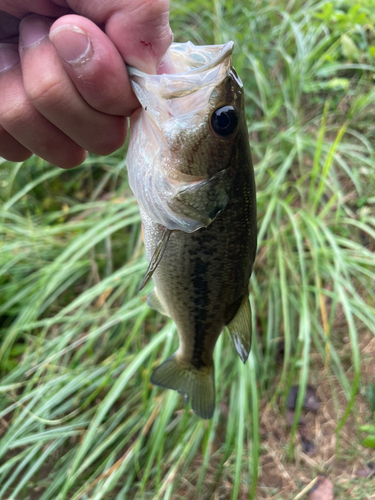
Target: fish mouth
(186, 57)
(196, 67)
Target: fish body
(198, 207)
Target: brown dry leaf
(323, 490)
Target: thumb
(138, 28)
(143, 35)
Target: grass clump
(78, 416)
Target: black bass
(190, 169)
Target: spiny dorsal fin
(198, 386)
(156, 258)
(240, 329)
(153, 300)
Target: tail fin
(197, 385)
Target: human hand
(63, 82)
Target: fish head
(202, 120)
(190, 126)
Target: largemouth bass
(190, 168)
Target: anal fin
(240, 329)
(153, 300)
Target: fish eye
(224, 120)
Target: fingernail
(72, 44)
(33, 31)
(9, 56)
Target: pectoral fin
(240, 329)
(153, 300)
(156, 258)
(202, 201)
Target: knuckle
(154, 9)
(13, 116)
(47, 90)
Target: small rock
(310, 403)
(323, 490)
(307, 445)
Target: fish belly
(202, 283)
(203, 276)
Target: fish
(190, 169)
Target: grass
(78, 416)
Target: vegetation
(79, 418)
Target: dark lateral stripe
(200, 311)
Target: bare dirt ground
(340, 458)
